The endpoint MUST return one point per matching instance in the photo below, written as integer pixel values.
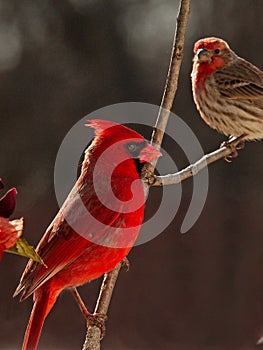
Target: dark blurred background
(60, 60)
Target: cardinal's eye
(216, 51)
(134, 148)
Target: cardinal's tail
(43, 303)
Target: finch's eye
(216, 51)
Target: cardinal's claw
(97, 320)
(125, 262)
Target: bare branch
(170, 87)
(173, 73)
(193, 169)
(93, 336)
(92, 341)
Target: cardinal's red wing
(61, 243)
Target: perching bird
(96, 226)
(227, 90)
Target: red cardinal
(97, 225)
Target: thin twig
(93, 336)
(92, 341)
(173, 73)
(193, 169)
(170, 87)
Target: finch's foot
(240, 145)
(98, 320)
(125, 263)
(235, 144)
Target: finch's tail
(43, 303)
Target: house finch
(97, 225)
(227, 90)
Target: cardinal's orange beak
(149, 153)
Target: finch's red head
(213, 51)
(211, 44)
(211, 54)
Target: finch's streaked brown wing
(247, 84)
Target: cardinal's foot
(97, 320)
(125, 263)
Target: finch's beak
(149, 153)
(203, 55)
